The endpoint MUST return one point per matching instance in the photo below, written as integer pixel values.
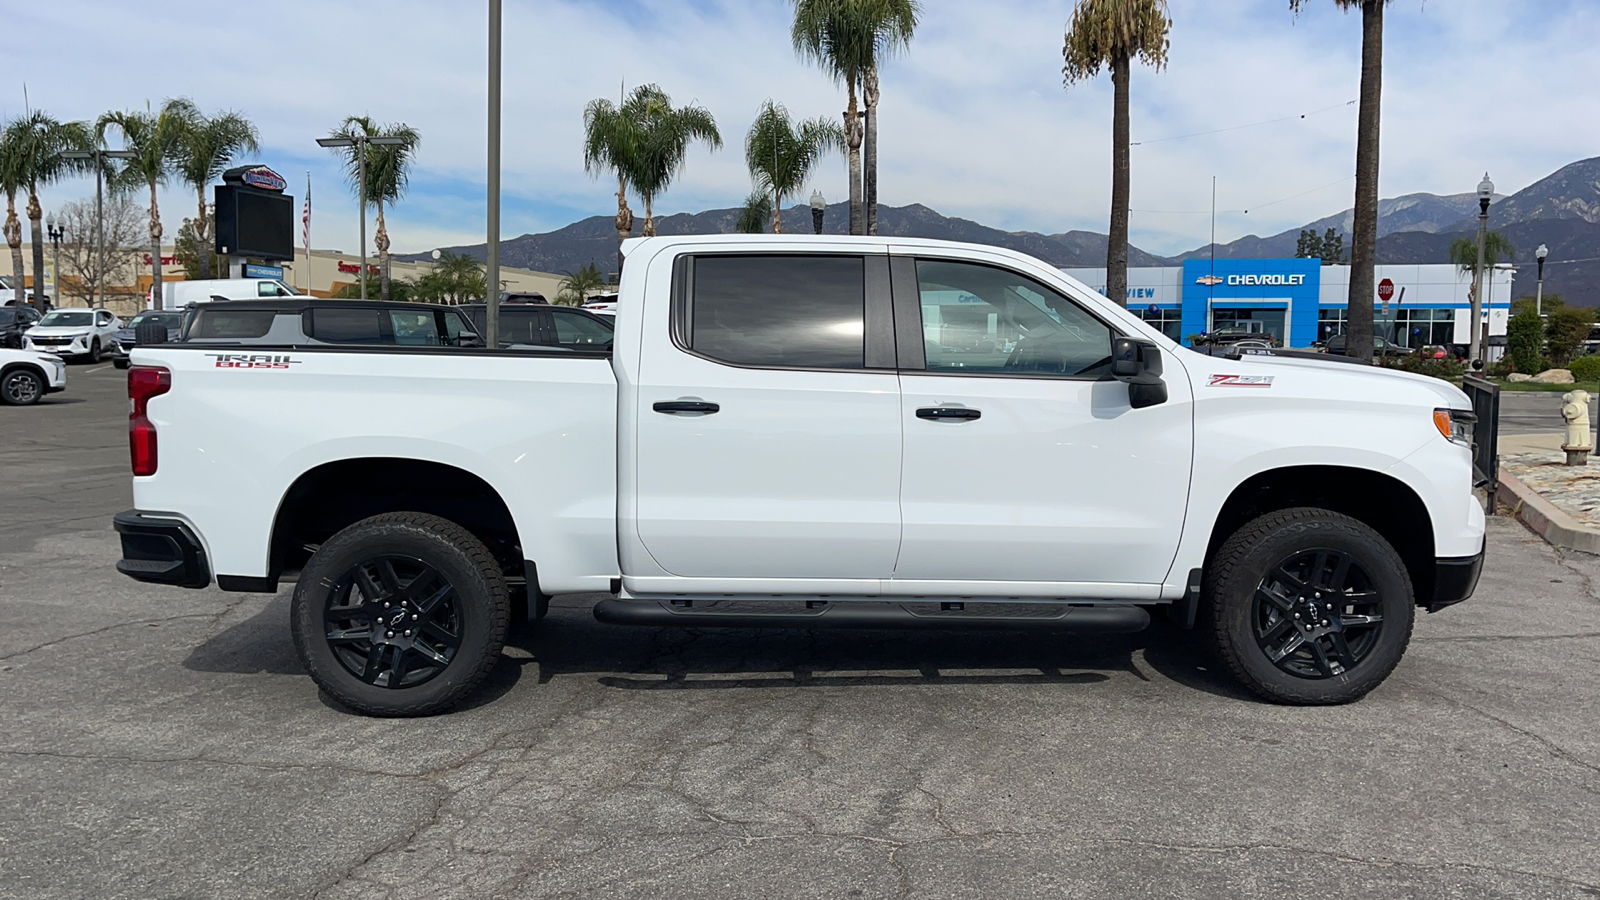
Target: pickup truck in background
(810, 432)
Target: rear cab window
(775, 311)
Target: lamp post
(1538, 299)
(491, 275)
(819, 208)
(1477, 351)
(57, 233)
(97, 158)
(360, 142)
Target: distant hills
(1561, 210)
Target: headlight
(1456, 425)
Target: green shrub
(1525, 342)
(1502, 368)
(1565, 331)
(1586, 369)
(1449, 368)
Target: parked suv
(74, 332)
(299, 321)
(546, 326)
(14, 321)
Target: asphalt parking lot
(164, 743)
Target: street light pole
(492, 275)
(1477, 351)
(1538, 300)
(56, 233)
(97, 158)
(360, 142)
(819, 208)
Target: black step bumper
(160, 551)
(1454, 580)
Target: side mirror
(469, 339)
(1138, 364)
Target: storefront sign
(165, 260)
(264, 178)
(355, 269)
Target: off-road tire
(1228, 603)
(21, 387)
(479, 590)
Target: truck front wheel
(401, 614)
(1308, 607)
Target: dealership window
(1419, 327)
(1331, 323)
(1257, 321)
(1167, 321)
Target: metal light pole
(1538, 300)
(1476, 348)
(492, 274)
(97, 158)
(819, 208)
(57, 233)
(360, 142)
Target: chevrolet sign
(1266, 280)
(1209, 280)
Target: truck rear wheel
(1308, 607)
(401, 614)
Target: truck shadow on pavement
(571, 643)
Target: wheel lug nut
(413, 617)
(1324, 623)
(388, 634)
(408, 632)
(386, 604)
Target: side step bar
(1100, 619)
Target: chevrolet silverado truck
(804, 432)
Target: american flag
(305, 221)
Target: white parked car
(799, 431)
(75, 332)
(26, 376)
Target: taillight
(144, 382)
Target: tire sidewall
(94, 350)
(474, 593)
(1236, 609)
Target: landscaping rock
(1555, 376)
(1518, 377)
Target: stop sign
(1386, 290)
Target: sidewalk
(1559, 502)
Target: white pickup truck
(808, 432)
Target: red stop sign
(1386, 290)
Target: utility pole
(492, 275)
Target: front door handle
(681, 407)
(948, 413)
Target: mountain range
(1561, 210)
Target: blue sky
(975, 122)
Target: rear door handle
(948, 413)
(681, 407)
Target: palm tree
(11, 181)
(42, 142)
(153, 139)
(782, 154)
(833, 34)
(454, 278)
(388, 168)
(1364, 239)
(664, 133)
(1111, 34)
(579, 286)
(611, 141)
(892, 23)
(205, 147)
(754, 214)
(1464, 256)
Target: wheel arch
(1382, 502)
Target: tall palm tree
(892, 23)
(1111, 34)
(755, 213)
(388, 169)
(782, 154)
(611, 141)
(664, 133)
(42, 144)
(10, 182)
(153, 139)
(833, 34)
(1364, 239)
(205, 148)
(1464, 256)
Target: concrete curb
(1550, 523)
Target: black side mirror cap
(1138, 363)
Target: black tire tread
(486, 565)
(1221, 572)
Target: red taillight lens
(144, 382)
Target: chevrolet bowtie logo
(1208, 280)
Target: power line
(1179, 137)
(1205, 212)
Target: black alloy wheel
(94, 350)
(21, 387)
(393, 621)
(1317, 614)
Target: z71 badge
(1261, 381)
(252, 360)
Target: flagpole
(305, 234)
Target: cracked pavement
(164, 743)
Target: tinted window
(455, 324)
(983, 319)
(518, 326)
(347, 326)
(7, 316)
(221, 322)
(799, 311)
(574, 329)
(415, 328)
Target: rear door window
(231, 324)
(579, 331)
(779, 311)
(347, 326)
(414, 328)
(522, 325)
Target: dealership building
(1301, 302)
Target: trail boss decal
(252, 360)
(1261, 381)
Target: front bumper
(1454, 580)
(160, 551)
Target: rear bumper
(160, 551)
(1454, 580)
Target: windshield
(67, 318)
(169, 319)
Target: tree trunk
(649, 229)
(382, 241)
(777, 211)
(854, 134)
(870, 175)
(200, 231)
(13, 231)
(155, 251)
(1364, 241)
(1117, 240)
(624, 220)
(36, 223)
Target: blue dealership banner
(252, 271)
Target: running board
(856, 614)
